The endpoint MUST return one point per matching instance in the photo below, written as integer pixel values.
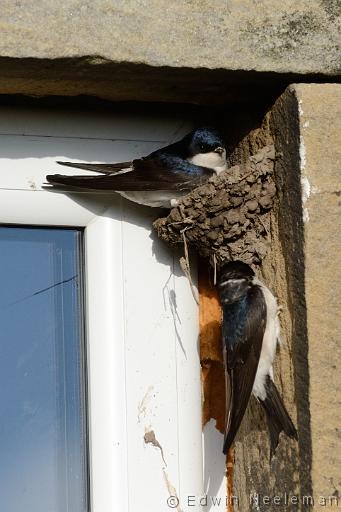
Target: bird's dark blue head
(234, 280)
(206, 140)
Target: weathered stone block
(319, 108)
(200, 52)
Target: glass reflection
(42, 390)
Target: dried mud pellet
(251, 179)
(251, 205)
(186, 201)
(175, 215)
(193, 213)
(232, 216)
(236, 201)
(217, 221)
(206, 224)
(265, 202)
(213, 235)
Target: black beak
(219, 150)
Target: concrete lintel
(300, 36)
(128, 81)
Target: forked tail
(277, 416)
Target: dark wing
(277, 416)
(243, 330)
(166, 173)
(102, 168)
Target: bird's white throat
(212, 160)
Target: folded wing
(171, 173)
(243, 331)
(101, 168)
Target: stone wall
(221, 51)
(319, 113)
(301, 268)
(295, 37)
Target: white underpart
(166, 199)
(212, 160)
(153, 198)
(270, 340)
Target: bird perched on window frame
(250, 333)
(159, 179)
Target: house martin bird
(250, 332)
(160, 178)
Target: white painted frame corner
(106, 222)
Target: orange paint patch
(211, 356)
(210, 350)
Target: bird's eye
(202, 147)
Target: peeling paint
(149, 438)
(175, 503)
(173, 499)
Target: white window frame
(105, 358)
(24, 202)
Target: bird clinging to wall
(250, 335)
(158, 179)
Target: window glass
(43, 442)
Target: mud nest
(228, 218)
